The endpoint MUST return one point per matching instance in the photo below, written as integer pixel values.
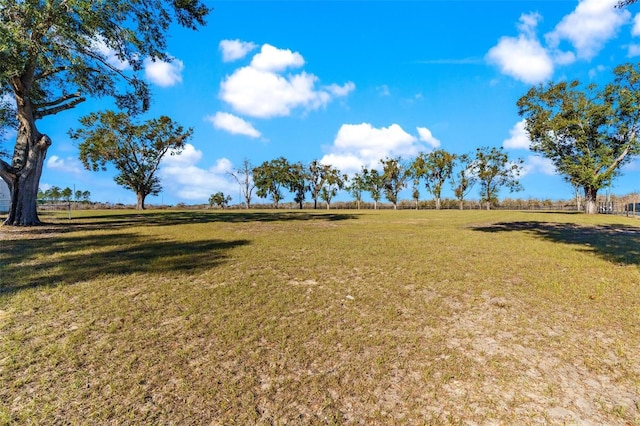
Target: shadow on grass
(63, 260)
(168, 218)
(615, 243)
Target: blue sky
(351, 82)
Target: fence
(624, 209)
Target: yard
(321, 317)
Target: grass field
(305, 317)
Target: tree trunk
(438, 203)
(140, 196)
(461, 205)
(488, 205)
(23, 177)
(590, 197)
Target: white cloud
(589, 27)
(271, 58)
(427, 137)
(162, 73)
(519, 137)
(358, 145)
(634, 50)
(67, 165)
(537, 164)
(383, 90)
(635, 31)
(523, 57)
(259, 90)
(233, 50)
(183, 178)
(233, 124)
(109, 54)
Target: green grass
(320, 317)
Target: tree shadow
(44, 261)
(169, 218)
(615, 243)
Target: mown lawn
(261, 317)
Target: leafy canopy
(134, 149)
(54, 53)
(587, 132)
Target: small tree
(134, 149)
(415, 192)
(270, 177)
(357, 187)
(220, 200)
(494, 170)
(333, 182)
(394, 176)
(587, 133)
(374, 184)
(434, 168)
(297, 183)
(66, 194)
(463, 178)
(243, 176)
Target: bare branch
(55, 110)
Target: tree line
(490, 168)
(55, 195)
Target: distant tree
(66, 194)
(86, 196)
(219, 199)
(56, 54)
(588, 133)
(54, 194)
(434, 168)
(495, 170)
(270, 177)
(77, 195)
(357, 187)
(317, 175)
(134, 149)
(394, 176)
(297, 183)
(463, 177)
(374, 184)
(333, 182)
(243, 176)
(415, 192)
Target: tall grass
(320, 317)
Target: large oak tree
(54, 54)
(587, 132)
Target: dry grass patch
(321, 317)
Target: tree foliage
(271, 177)
(54, 54)
(434, 169)
(333, 182)
(394, 177)
(374, 183)
(357, 186)
(463, 178)
(587, 132)
(297, 182)
(220, 200)
(495, 170)
(134, 149)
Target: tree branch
(55, 110)
(58, 101)
(6, 171)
